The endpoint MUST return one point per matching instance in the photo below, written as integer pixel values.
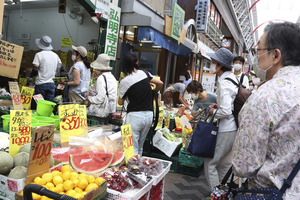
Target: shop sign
(26, 96)
(22, 82)
(202, 15)
(19, 130)
(113, 25)
(10, 59)
(15, 95)
(38, 96)
(160, 118)
(73, 121)
(40, 154)
(208, 81)
(102, 6)
(66, 42)
(177, 21)
(127, 141)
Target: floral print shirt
(267, 144)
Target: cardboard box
(164, 145)
(9, 186)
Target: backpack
(241, 97)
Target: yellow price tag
(127, 141)
(19, 130)
(177, 122)
(160, 118)
(167, 122)
(66, 42)
(26, 95)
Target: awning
(150, 34)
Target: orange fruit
(92, 186)
(68, 185)
(83, 183)
(66, 175)
(47, 177)
(39, 181)
(57, 180)
(99, 181)
(56, 173)
(91, 179)
(65, 168)
(49, 185)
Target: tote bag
(204, 138)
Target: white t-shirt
(47, 62)
(245, 82)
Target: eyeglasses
(255, 50)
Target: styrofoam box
(9, 186)
(164, 145)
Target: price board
(73, 121)
(40, 154)
(127, 141)
(26, 96)
(19, 130)
(160, 118)
(15, 95)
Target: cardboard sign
(66, 42)
(40, 154)
(73, 121)
(127, 141)
(160, 118)
(26, 95)
(10, 59)
(177, 122)
(38, 96)
(167, 122)
(19, 130)
(15, 95)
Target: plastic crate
(186, 158)
(91, 121)
(187, 170)
(5, 97)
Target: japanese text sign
(40, 154)
(202, 15)
(15, 95)
(73, 121)
(112, 32)
(102, 6)
(19, 130)
(38, 96)
(127, 141)
(10, 59)
(66, 42)
(177, 21)
(160, 118)
(26, 95)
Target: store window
(206, 65)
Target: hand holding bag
(204, 138)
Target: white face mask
(256, 81)
(194, 96)
(73, 57)
(237, 67)
(260, 73)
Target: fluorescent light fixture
(22, 1)
(129, 33)
(145, 41)
(156, 47)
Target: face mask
(194, 96)
(260, 73)
(73, 57)
(237, 67)
(256, 81)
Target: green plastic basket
(91, 121)
(187, 159)
(187, 170)
(5, 97)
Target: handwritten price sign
(73, 121)
(26, 95)
(15, 95)
(19, 130)
(127, 141)
(160, 118)
(41, 146)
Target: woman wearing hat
(104, 102)
(214, 168)
(79, 75)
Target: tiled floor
(183, 187)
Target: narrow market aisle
(183, 187)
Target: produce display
(169, 135)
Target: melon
(91, 162)
(25, 148)
(21, 159)
(18, 172)
(6, 162)
(63, 154)
(118, 158)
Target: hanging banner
(40, 154)
(113, 25)
(19, 130)
(15, 95)
(10, 59)
(160, 118)
(127, 141)
(26, 95)
(202, 15)
(72, 119)
(177, 21)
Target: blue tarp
(163, 41)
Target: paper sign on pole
(19, 130)
(10, 59)
(38, 96)
(72, 119)
(26, 95)
(160, 118)
(15, 95)
(127, 141)
(66, 42)
(40, 154)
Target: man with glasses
(266, 146)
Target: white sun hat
(44, 43)
(102, 63)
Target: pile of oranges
(67, 182)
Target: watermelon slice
(91, 162)
(118, 158)
(63, 154)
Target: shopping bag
(204, 138)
